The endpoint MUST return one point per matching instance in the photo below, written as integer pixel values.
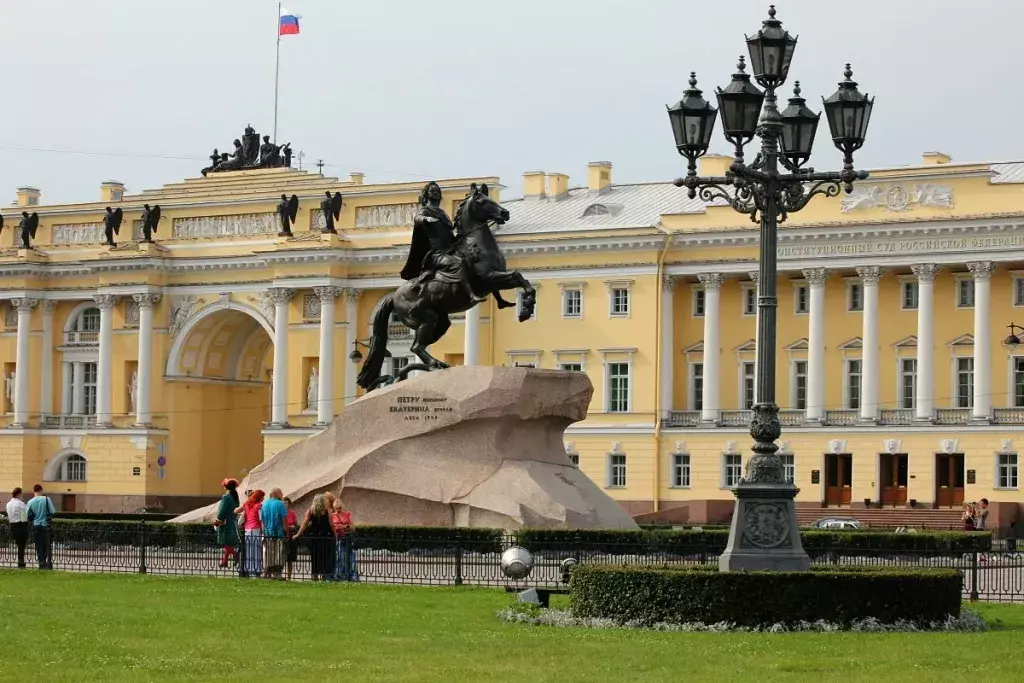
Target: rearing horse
(424, 306)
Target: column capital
(24, 304)
(353, 293)
(981, 270)
(327, 294)
(105, 301)
(280, 295)
(711, 281)
(816, 276)
(49, 306)
(925, 272)
(668, 283)
(146, 300)
(755, 276)
(870, 275)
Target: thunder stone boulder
(468, 446)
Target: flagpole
(277, 69)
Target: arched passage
(218, 374)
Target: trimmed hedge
(651, 595)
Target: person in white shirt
(17, 516)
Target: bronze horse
(424, 306)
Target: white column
(21, 362)
(104, 368)
(756, 277)
(668, 353)
(351, 336)
(471, 343)
(66, 383)
(279, 412)
(46, 395)
(146, 302)
(712, 283)
(924, 399)
(869, 339)
(816, 278)
(982, 272)
(77, 388)
(325, 382)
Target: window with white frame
(572, 303)
(519, 306)
(750, 300)
(90, 374)
(1018, 291)
(618, 302)
(680, 470)
(788, 466)
(618, 388)
(748, 379)
(575, 459)
(72, 468)
(965, 382)
(700, 298)
(732, 469)
(571, 367)
(1006, 470)
(799, 384)
(86, 327)
(1018, 382)
(616, 470)
(398, 363)
(853, 377)
(855, 297)
(801, 299)
(908, 383)
(909, 295)
(697, 386)
(965, 293)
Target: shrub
(649, 595)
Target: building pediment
(798, 345)
(962, 340)
(851, 344)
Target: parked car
(837, 523)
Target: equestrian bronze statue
(451, 268)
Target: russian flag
(289, 25)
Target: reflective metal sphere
(516, 563)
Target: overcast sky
(408, 89)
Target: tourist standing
(981, 520)
(227, 530)
(273, 513)
(40, 512)
(341, 524)
(17, 516)
(291, 523)
(317, 527)
(970, 514)
(252, 553)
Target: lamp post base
(764, 534)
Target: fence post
(142, 548)
(974, 576)
(458, 561)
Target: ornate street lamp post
(764, 532)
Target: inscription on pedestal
(766, 525)
(419, 407)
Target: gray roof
(620, 206)
(1012, 172)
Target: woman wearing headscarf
(227, 531)
(316, 526)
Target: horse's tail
(378, 343)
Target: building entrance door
(894, 478)
(67, 503)
(838, 478)
(949, 480)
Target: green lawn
(139, 629)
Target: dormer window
(602, 210)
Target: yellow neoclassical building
(142, 374)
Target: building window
(572, 303)
(90, 374)
(732, 469)
(1006, 471)
(855, 297)
(788, 466)
(909, 298)
(681, 470)
(749, 301)
(908, 383)
(964, 382)
(699, 300)
(965, 293)
(618, 387)
(801, 299)
(697, 386)
(519, 306)
(575, 459)
(72, 469)
(616, 470)
(619, 301)
(571, 367)
(800, 385)
(853, 375)
(1018, 291)
(86, 328)
(749, 379)
(398, 363)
